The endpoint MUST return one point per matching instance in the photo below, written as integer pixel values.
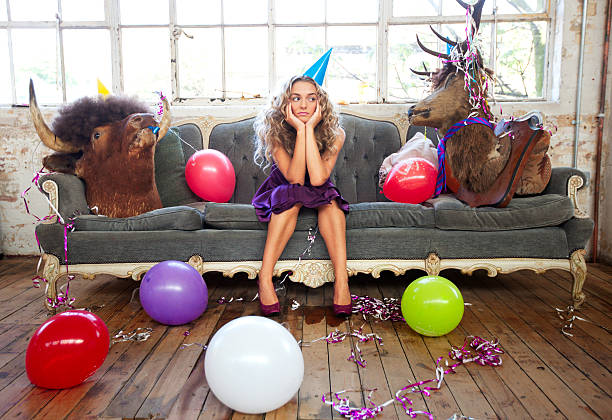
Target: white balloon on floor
(254, 365)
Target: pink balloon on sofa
(210, 175)
(411, 181)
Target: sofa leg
(432, 264)
(578, 269)
(197, 262)
(51, 272)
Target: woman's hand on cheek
(315, 118)
(292, 119)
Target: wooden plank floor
(544, 374)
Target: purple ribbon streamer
(441, 180)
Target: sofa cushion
(521, 213)
(96, 247)
(361, 215)
(242, 216)
(170, 168)
(169, 218)
(389, 214)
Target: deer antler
(422, 73)
(442, 37)
(476, 14)
(432, 52)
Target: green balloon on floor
(432, 306)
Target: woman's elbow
(296, 181)
(317, 182)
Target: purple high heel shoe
(343, 310)
(268, 310)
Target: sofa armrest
(66, 193)
(567, 181)
(559, 180)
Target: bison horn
(442, 37)
(164, 125)
(476, 14)
(44, 132)
(432, 52)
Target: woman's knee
(290, 212)
(332, 208)
(295, 209)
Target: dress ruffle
(277, 195)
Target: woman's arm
(293, 167)
(320, 169)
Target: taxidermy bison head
(110, 144)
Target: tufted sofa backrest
(367, 143)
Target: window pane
(351, 74)
(86, 58)
(200, 63)
(452, 8)
(82, 11)
(404, 54)
(525, 6)
(413, 8)
(286, 11)
(34, 52)
(33, 10)
(246, 58)
(521, 59)
(245, 11)
(146, 65)
(198, 12)
(457, 33)
(352, 11)
(296, 50)
(144, 12)
(5, 75)
(2, 11)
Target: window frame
(385, 21)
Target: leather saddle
(525, 133)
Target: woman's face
(303, 99)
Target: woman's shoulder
(340, 135)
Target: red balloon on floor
(411, 181)
(210, 175)
(67, 349)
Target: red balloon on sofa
(67, 349)
(210, 175)
(411, 181)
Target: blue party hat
(318, 69)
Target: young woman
(299, 136)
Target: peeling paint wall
(605, 200)
(21, 152)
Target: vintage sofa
(538, 233)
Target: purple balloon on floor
(173, 293)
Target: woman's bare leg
(280, 229)
(332, 225)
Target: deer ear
(62, 162)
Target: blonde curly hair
(272, 131)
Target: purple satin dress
(277, 195)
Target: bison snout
(142, 120)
